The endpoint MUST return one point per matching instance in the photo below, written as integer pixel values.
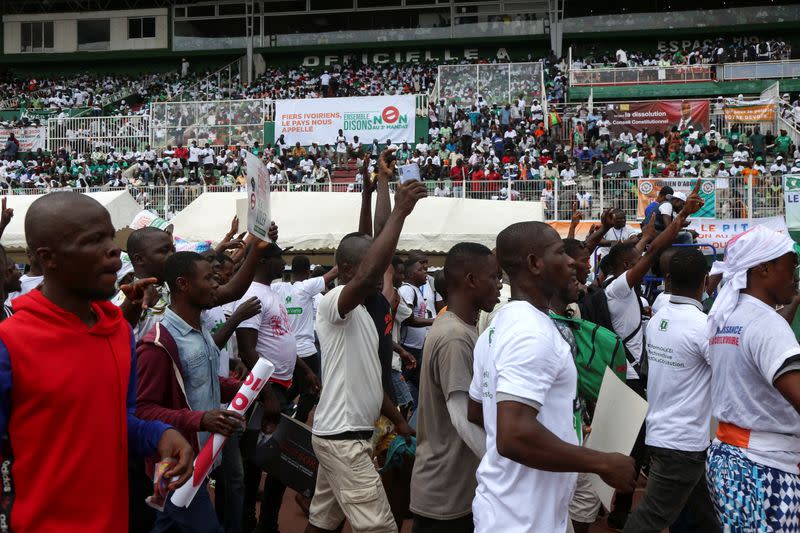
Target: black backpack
(594, 308)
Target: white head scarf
(743, 252)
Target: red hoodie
(66, 405)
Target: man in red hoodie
(68, 381)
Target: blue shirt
(199, 357)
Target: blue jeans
(412, 375)
(230, 487)
(199, 517)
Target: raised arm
(365, 216)
(379, 256)
(383, 205)
(244, 311)
(665, 239)
(239, 283)
(593, 240)
(573, 223)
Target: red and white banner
(30, 139)
(657, 116)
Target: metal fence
(220, 123)
(641, 75)
(497, 83)
(85, 134)
(761, 70)
(732, 197)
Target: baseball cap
(706, 161)
(686, 163)
(679, 196)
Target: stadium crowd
(721, 50)
(462, 397)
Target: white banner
(386, 118)
(30, 139)
(718, 231)
(258, 219)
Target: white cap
(691, 127)
(679, 196)
(686, 163)
(706, 161)
(779, 158)
(713, 126)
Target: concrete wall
(65, 30)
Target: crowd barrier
(725, 197)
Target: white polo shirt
(679, 377)
(746, 354)
(522, 354)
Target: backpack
(598, 348)
(594, 308)
(659, 225)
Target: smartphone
(409, 172)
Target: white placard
(308, 120)
(618, 417)
(258, 213)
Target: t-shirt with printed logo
(298, 298)
(276, 341)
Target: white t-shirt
(298, 298)
(276, 341)
(679, 377)
(352, 391)
(523, 354)
(402, 313)
(194, 154)
(28, 283)
(746, 353)
(212, 320)
(602, 126)
(420, 299)
(665, 208)
(623, 306)
(616, 235)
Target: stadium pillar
(248, 77)
(555, 18)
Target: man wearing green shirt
(758, 143)
(782, 143)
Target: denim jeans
(199, 517)
(230, 487)
(412, 374)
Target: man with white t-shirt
(752, 465)
(629, 267)
(194, 157)
(416, 294)
(524, 379)
(353, 396)
(679, 404)
(619, 232)
(298, 297)
(269, 334)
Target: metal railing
(733, 197)
(641, 75)
(760, 70)
(85, 134)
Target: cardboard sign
(618, 417)
(258, 212)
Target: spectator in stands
(11, 148)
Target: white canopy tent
(120, 205)
(317, 221)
